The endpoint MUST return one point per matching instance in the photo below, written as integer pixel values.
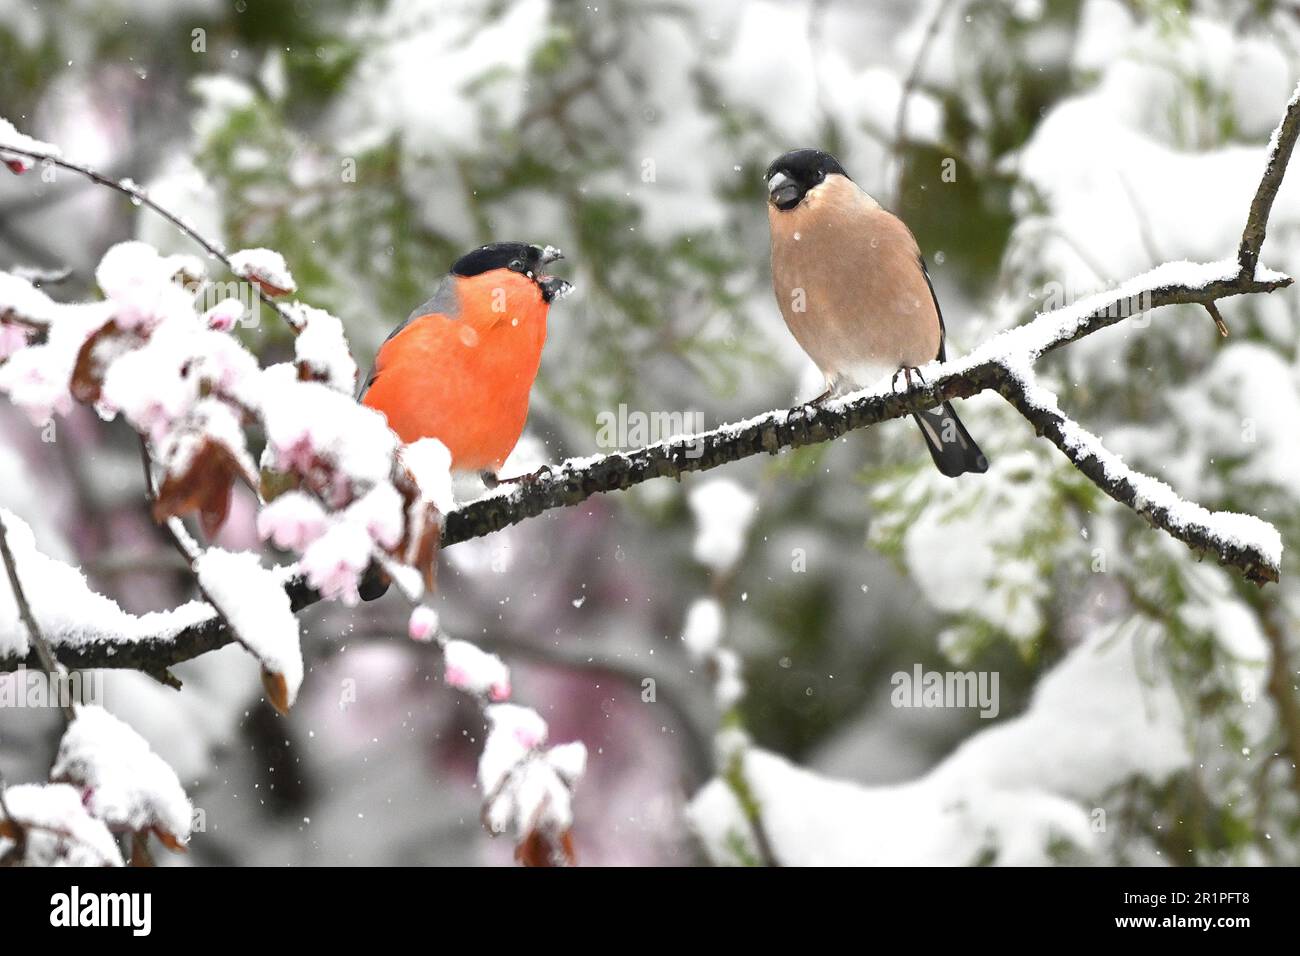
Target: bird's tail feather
(953, 450)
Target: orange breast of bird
(465, 379)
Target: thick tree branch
(1003, 365)
(999, 366)
(986, 368)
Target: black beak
(553, 287)
(550, 254)
(782, 191)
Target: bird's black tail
(953, 450)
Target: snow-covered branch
(1002, 364)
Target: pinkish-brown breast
(848, 280)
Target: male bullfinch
(855, 292)
(460, 368)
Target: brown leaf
(97, 352)
(546, 849)
(204, 486)
(274, 291)
(169, 840)
(422, 537)
(306, 373)
(426, 538)
(277, 691)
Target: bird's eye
(517, 265)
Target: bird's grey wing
(943, 333)
(442, 302)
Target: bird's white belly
(850, 377)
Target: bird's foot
(907, 371)
(805, 411)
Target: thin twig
(1283, 144)
(180, 544)
(141, 197)
(1219, 324)
(190, 554)
(1282, 680)
(1254, 565)
(40, 646)
(909, 86)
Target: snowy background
(1048, 149)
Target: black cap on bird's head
(527, 260)
(792, 174)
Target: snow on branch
(105, 781)
(339, 491)
(193, 392)
(1242, 541)
(333, 484)
(1002, 364)
(527, 786)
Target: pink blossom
(296, 455)
(338, 581)
(381, 511)
(499, 691)
(335, 561)
(292, 521)
(220, 321)
(527, 737)
(223, 316)
(12, 338)
(475, 671)
(228, 366)
(155, 418)
(33, 386)
(423, 626)
(148, 306)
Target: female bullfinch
(854, 291)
